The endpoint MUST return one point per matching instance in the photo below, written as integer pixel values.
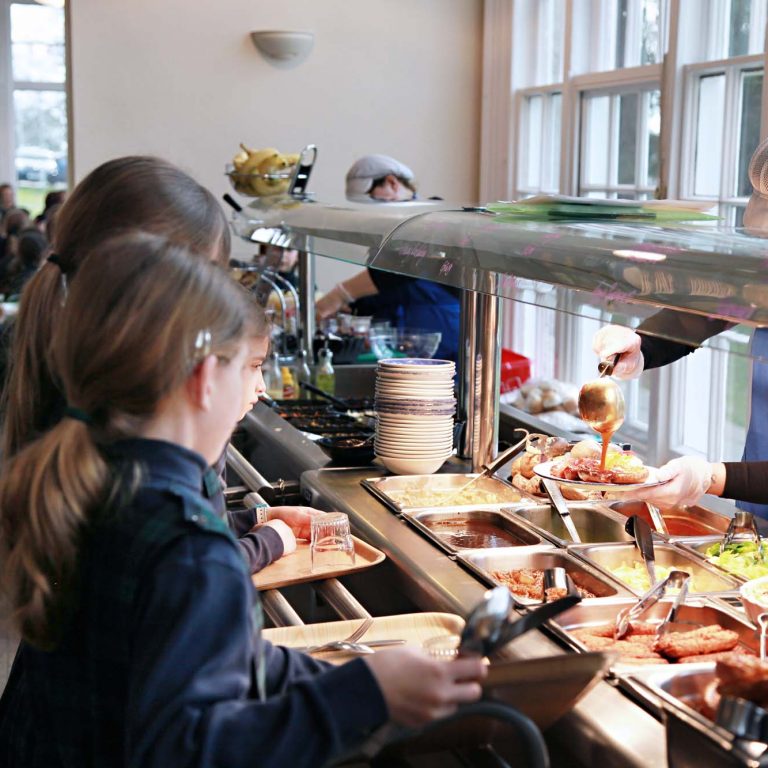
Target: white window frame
(8, 85)
(682, 29)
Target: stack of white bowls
(415, 406)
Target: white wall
(182, 80)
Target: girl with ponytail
(140, 639)
(120, 195)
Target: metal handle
(742, 522)
(649, 599)
(676, 580)
(558, 502)
(643, 535)
(341, 599)
(504, 456)
(605, 367)
(279, 609)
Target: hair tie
(78, 414)
(54, 258)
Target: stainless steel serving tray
(593, 524)
(450, 528)
(485, 562)
(698, 612)
(681, 523)
(693, 740)
(707, 579)
(698, 548)
(401, 492)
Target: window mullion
(7, 140)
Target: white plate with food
(616, 479)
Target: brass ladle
(601, 403)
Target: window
(36, 148)
(594, 113)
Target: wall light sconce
(283, 47)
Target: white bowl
(407, 421)
(753, 605)
(424, 450)
(400, 466)
(420, 434)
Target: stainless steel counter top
(605, 727)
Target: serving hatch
(403, 492)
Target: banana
(252, 165)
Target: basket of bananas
(261, 172)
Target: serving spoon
(601, 404)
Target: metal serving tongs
(641, 531)
(676, 579)
(488, 627)
(743, 522)
(490, 469)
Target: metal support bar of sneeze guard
(479, 371)
(340, 599)
(250, 476)
(279, 610)
(307, 299)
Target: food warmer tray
(484, 562)
(604, 557)
(698, 611)
(693, 740)
(457, 528)
(593, 524)
(681, 523)
(391, 490)
(698, 548)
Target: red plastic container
(515, 369)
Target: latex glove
(334, 301)
(298, 519)
(690, 478)
(285, 533)
(418, 689)
(615, 339)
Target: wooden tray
(414, 628)
(296, 568)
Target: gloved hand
(615, 339)
(689, 479)
(285, 533)
(298, 519)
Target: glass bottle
(273, 377)
(302, 373)
(325, 377)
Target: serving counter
(692, 274)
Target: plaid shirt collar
(162, 462)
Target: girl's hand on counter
(614, 340)
(690, 477)
(285, 533)
(419, 689)
(298, 519)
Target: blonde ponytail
(46, 494)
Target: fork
(353, 638)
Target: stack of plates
(414, 414)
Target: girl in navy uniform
(121, 194)
(140, 636)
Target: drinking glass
(332, 545)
